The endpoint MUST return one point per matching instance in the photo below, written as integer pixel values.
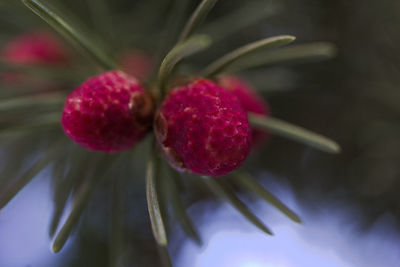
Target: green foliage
(224, 62)
(294, 132)
(152, 188)
(28, 113)
(180, 51)
(197, 18)
(223, 189)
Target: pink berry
(110, 112)
(251, 101)
(136, 63)
(39, 48)
(202, 128)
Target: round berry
(110, 112)
(250, 100)
(202, 128)
(36, 48)
(136, 63)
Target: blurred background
(349, 203)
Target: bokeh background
(349, 202)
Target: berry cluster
(201, 127)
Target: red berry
(110, 112)
(251, 101)
(136, 63)
(38, 48)
(202, 128)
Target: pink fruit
(202, 128)
(110, 112)
(35, 48)
(251, 101)
(137, 64)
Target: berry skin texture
(203, 129)
(110, 113)
(250, 100)
(35, 48)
